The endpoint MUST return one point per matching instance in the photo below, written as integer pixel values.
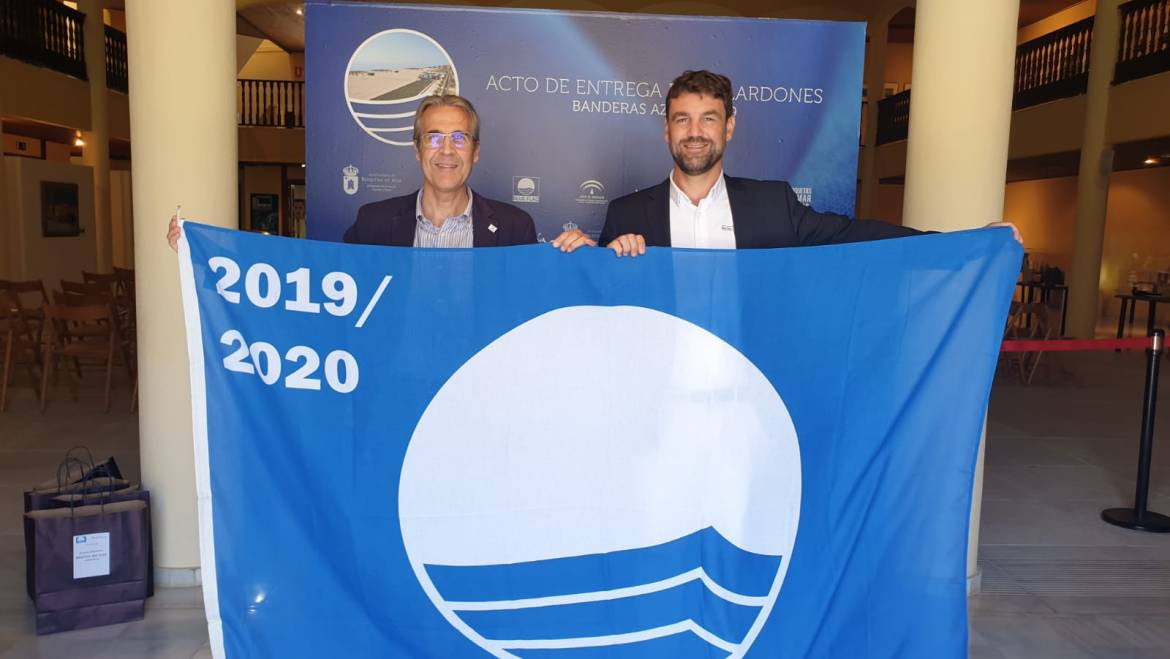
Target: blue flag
(520, 453)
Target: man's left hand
(1015, 231)
(571, 240)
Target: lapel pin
(492, 228)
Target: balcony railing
(276, 103)
(1053, 66)
(1144, 47)
(117, 72)
(1056, 65)
(44, 33)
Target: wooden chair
(128, 350)
(125, 286)
(32, 297)
(88, 288)
(18, 342)
(122, 286)
(1033, 321)
(122, 303)
(110, 281)
(62, 341)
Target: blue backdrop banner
(571, 103)
(518, 452)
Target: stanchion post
(1139, 518)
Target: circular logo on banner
(387, 76)
(647, 494)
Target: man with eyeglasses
(445, 212)
(698, 206)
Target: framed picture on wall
(265, 213)
(60, 214)
(889, 89)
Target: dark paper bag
(42, 495)
(131, 493)
(87, 564)
(90, 492)
(75, 475)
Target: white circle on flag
(621, 432)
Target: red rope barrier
(1068, 345)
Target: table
(1028, 290)
(1130, 300)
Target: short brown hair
(705, 83)
(450, 100)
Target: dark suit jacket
(392, 222)
(764, 214)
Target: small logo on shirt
(526, 189)
(804, 195)
(592, 192)
(349, 179)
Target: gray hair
(449, 100)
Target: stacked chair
(89, 323)
(21, 325)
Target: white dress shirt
(455, 232)
(707, 225)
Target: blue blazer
(392, 222)
(764, 214)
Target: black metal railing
(44, 33)
(1053, 66)
(893, 118)
(1144, 45)
(117, 72)
(277, 103)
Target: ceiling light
(1150, 161)
(300, 12)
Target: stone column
(960, 119)
(182, 59)
(7, 224)
(96, 152)
(1084, 298)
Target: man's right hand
(173, 233)
(628, 244)
(571, 240)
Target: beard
(697, 164)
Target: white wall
(33, 255)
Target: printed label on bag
(91, 555)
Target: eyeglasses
(434, 140)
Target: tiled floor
(1057, 581)
(31, 445)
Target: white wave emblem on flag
(644, 495)
(387, 76)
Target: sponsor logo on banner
(592, 192)
(388, 75)
(506, 573)
(349, 179)
(526, 189)
(804, 195)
